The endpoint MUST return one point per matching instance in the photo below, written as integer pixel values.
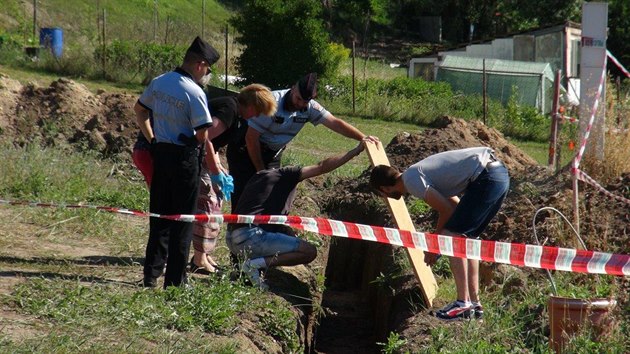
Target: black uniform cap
(308, 86)
(205, 50)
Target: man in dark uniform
(180, 122)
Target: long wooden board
(397, 207)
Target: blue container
(52, 38)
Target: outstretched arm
(330, 163)
(344, 128)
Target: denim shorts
(254, 242)
(480, 203)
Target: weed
(394, 344)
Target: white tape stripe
(393, 236)
(245, 219)
(419, 240)
(626, 268)
(278, 219)
(597, 264)
(338, 228)
(309, 224)
(446, 245)
(565, 259)
(366, 232)
(473, 249)
(533, 254)
(502, 252)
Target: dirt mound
(66, 112)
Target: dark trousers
(242, 168)
(173, 191)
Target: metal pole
(155, 16)
(553, 137)
(485, 94)
(104, 40)
(226, 57)
(203, 19)
(353, 78)
(576, 207)
(34, 19)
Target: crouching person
(272, 192)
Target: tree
(283, 41)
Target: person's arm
(344, 128)
(443, 205)
(212, 159)
(252, 139)
(142, 119)
(330, 163)
(445, 208)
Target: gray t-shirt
(448, 172)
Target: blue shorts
(255, 242)
(480, 203)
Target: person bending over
(467, 188)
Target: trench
(360, 311)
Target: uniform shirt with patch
(178, 104)
(448, 172)
(278, 130)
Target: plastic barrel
(52, 38)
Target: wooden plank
(397, 207)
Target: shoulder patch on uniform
(317, 106)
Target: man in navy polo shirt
(181, 118)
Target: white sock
(476, 303)
(258, 263)
(464, 303)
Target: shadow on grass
(89, 260)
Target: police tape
(524, 255)
(582, 176)
(587, 132)
(616, 62)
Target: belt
(493, 162)
(233, 227)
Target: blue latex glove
(225, 183)
(228, 187)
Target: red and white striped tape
(587, 133)
(619, 65)
(582, 176)
(544, 257)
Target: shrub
(283, 41)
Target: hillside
(176, 22)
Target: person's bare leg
(459, 267)
(200, 260)
(473, 279)
(305, 254)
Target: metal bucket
(568, 316)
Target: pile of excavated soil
(67, 113)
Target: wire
(553, 283)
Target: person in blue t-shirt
(181, 118)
